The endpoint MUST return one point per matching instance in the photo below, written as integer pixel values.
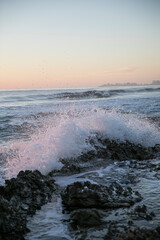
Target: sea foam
(66, 135)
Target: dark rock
(109, 150)
(87, 217)
(20, 197)
(12, 221)
(141, 212)
(117, 150)
(142, 209)
(130, 222)
(136, 234)
(158, 229)
(73, 168)
(88, 195)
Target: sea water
(39, 127)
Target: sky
(78, 43)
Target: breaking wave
(91, 94)
(79, 94)
(67, 136)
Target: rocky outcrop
(108, 211)
(117, 150)
(88, 195)
(89, 203)
(87, 217)
(106, 150)
(21, 197)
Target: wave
(23, 98)
(68, 136)
(151, 89)
(88, 94)
(95, 94)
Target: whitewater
(39, 128)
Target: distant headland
(154, 82)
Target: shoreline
(23, 196)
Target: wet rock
(90, 206)
(12, 221)
(136, 234)
(141, 209)
(127, 150)
(88, 195)
(70, 168)
(21, 197)
(141, 212)
(87, 217)
(109, 150)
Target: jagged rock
(12, 221)
(109, 150)
(88, 195)
(126, 150)
(20, 197)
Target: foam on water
(66, 135)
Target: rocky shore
(21, 197)
(99, 207)
(107, 150)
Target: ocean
(40, 127)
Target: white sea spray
(66, 136)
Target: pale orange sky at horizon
(70, 44)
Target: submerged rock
(21, 197)
(141, 212)
(88, 195)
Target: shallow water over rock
(55, 221)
